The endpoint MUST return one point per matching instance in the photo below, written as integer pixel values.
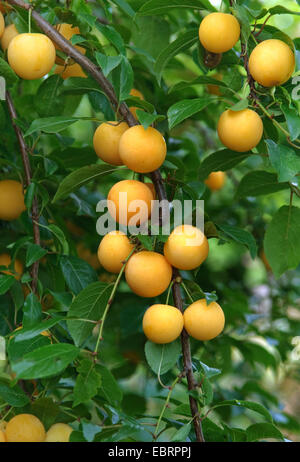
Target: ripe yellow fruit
(271, 63)
(11, 200)
(186, 248)
(58, 433)
(240, 130)
(122, 196)
(5, 260)
(137, 94)
(141, 150)
(3, 425)
(2, 437)
(148, 274)
(215, 180)
(162, 323)
(75, 70)
(2, 24)
(31, 56)
(9, 33)
(107, 139)
(25, 428)
(202, 321)
(219, 32)
(67, 31)
(113, 250)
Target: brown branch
(28, 176)
(125, 113)
(263, 26)
(250, 79)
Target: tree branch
(28, 176)
(125, 113)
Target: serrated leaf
(153, 7)
(78, 273)
(259, 408)
(284, 160)
(201, 80)
(182, 434)
(259, 182)
(261, 431)
(147, 119)
(292, 119)
(223, 160)
(108, 63)
(109, 386)
(242, 236)
(32, 311)
(186, 108)
(51, 124)
(14, 396)
(34, 252)
(87, 382)
(161, 358)
(6, 282)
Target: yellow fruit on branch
(241, 130)
(58, 433)
(148, 274)
(74, 70)
(11, 200)
(121, 199)
(67, 31)
(219, 32)
(204, 321)
(215, 180)
(2, 24)
(141, 150)
(271, 63)
(186, 248)
(31, 56)
(162, 323)
(106, 141)
(113, 251)
(5, 260)
(9, 33)
(25, 428)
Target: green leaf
(51, 124)
(292, 119)
(223, 160)
(242, 236)
(112, 36)
(201, 80)
(109, 386)
(34, 252)
(6, 282)
(182, 43)
(242, 104)
(281, 242)
(32, 311)
(259, 182)
(48, 100)
(46, 410)
(7, 72)
(279, 9)
(14, 396)
(80, 177)
(78, 273)
(87, 382)
(59, 235)
(261, 431)
(147, 119)
(259, 408)
(209, 371)
(125, 7)
(90, 305)
(161, 358)
(28, 333)
(186, 108)
(108, 63)
(284, 160)
(45, 361)
(182, 434)
(153, 7)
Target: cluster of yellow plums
(27, 428)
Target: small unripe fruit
(202, 321)
(215, 180)
(148, 274)
(240, 131)
(107, 140)
(137, 94)
(123, 194)
(9, 33)
(186, 248)
(271, 63)
(58, 433)
(75, 70)
(141, 150)
(11, 200)
(31, 56)
(67, 31)
(219, 32)
(25, 428)
(162, 323)
(5, 260)
(113, 251)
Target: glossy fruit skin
(9, 33)
(141, 150)
(113, 250)
(25, 428)
(186, 248)
(2, 24)
(31, 56)
(67, 31)
(202, 321)
(106, 141)
(148, 274)
(136, 190)
(240, 131)
(5, 260)
(11, 200)
(215, 180)
(219, 32)
(75, 70)
(58, 433)
(271, 63)
(137, 94)
(162, 323)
